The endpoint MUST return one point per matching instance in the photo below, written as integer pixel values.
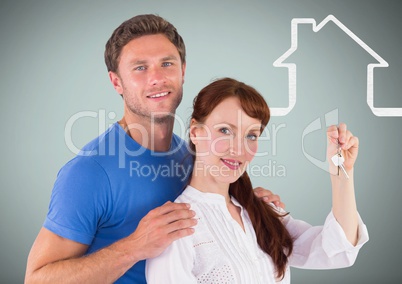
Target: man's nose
(156, 76)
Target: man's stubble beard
(155, 117)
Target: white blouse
(220, 251)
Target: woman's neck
(202, 182)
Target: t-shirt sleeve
(80, 200)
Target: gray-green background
(52, 68)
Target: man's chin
(160, 118)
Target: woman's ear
(194, 131)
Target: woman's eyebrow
(225, 123)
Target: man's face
(150, 77)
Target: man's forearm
(104, 266)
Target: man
(108, 213)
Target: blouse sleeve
(323, 247)
(174, 265)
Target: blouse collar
(207, 197)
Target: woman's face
(226, 142)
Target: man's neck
(153, 136)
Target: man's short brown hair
(136, 27)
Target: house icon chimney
(292, 66)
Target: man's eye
(166, 64)
(139, 68)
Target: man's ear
(116, 82)
(183, 71)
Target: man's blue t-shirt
(101, 195)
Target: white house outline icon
(292, 67)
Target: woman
(239, 238)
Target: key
(338, 160)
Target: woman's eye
(252, 137)
(225, 130)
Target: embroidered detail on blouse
(203, 243)
(218, 275)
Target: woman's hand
(339, 136)
(343, 194)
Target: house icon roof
(292, 66)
